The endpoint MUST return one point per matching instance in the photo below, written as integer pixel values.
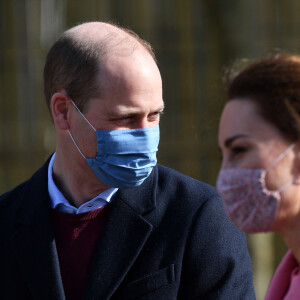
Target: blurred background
(194, 40)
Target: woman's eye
(237, 150)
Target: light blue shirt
(59, 202)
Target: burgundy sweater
(76, 238)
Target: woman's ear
(60, 106)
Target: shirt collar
(59, 202)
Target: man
(100, 220)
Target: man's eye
(125, 118)
(155, 115)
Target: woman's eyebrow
(230, 140)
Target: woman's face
(247, 140)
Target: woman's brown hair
(274, 84)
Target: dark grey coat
(167, 239)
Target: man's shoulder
(14, 196)
(15, 193)
(10, 203)
(184, 184)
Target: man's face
(131, 98)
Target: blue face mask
(125, 158)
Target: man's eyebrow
(161, 108)
(132, 112)
(230, 140)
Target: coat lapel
(124, 236)
(33, 243)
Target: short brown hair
(274, 84)
(73, 65)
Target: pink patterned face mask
(248, 202)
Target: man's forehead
(92, 30)
(126, 109)
(112, 108)
(108, 35)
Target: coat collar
(146, 194)
(36, 196)
(123, 238)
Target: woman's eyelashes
(237, 152)
(238, 149)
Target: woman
(259, 180)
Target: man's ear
(60, 106)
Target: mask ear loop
(286, 185)
(280, 157)
(83, 115)
(71, 136)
